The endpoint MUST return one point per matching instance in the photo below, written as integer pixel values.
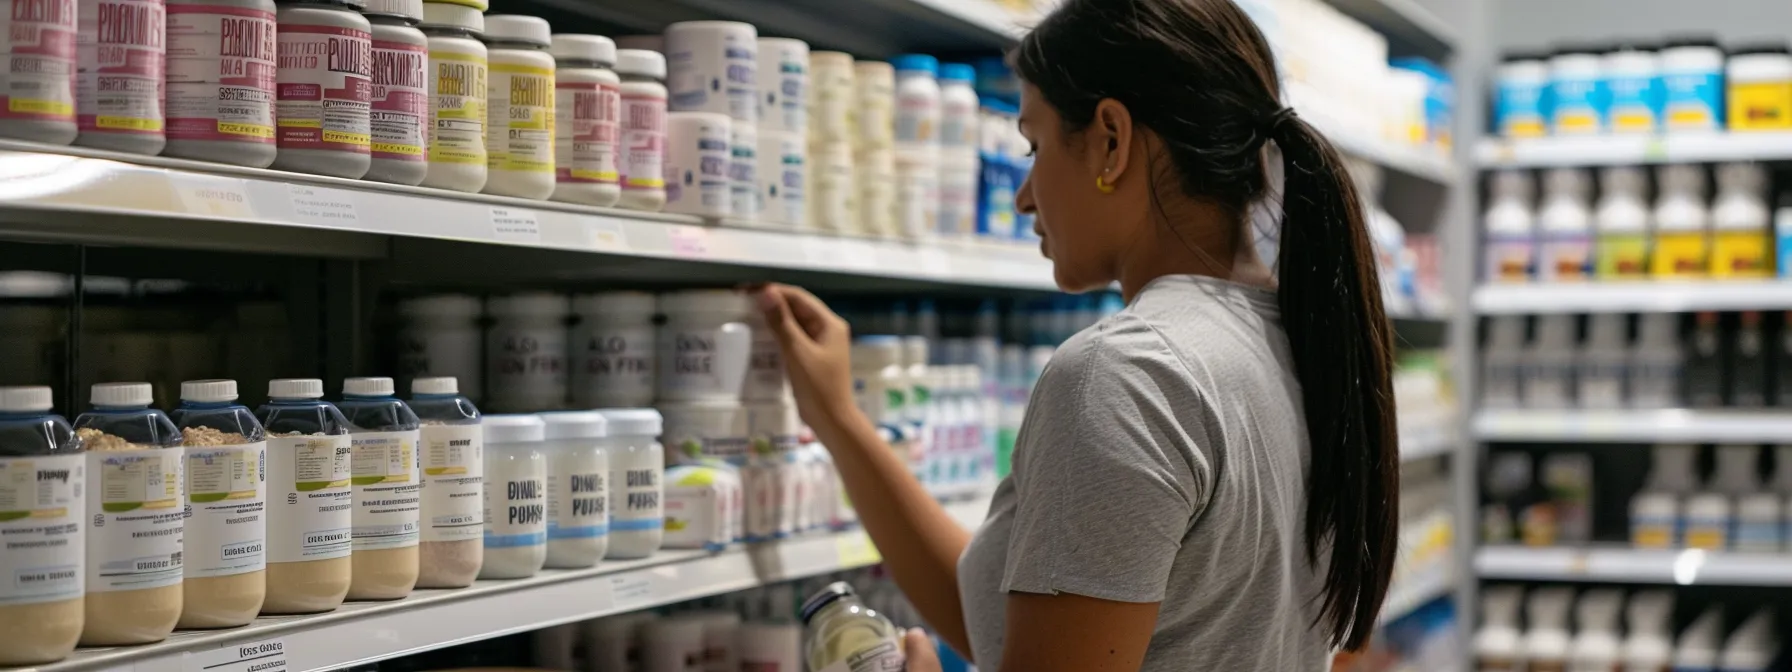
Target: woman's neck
(1202, 244)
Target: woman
(1206, 480)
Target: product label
(38, 82)
(227, 497)
(519, 126)
(1741, 254)
(313, 506)
(643, 144)
(1509, 260)
(135, 497)
(400, 101)
(516, 503)
(958, 127)
(706, 184)
(578, 499)
(41, 507)
(688, 362)
(696, 512)
(1680, 255)
(1578, 110)
(693, 80)
(917, 202)
(526, 364)
(457, 108)
(1694, 100)
(765, 368)
(587, 126)
(743, 178)
(1652, 532)
(1755, 107)
(958, 201)
(221, 73)
(918, 120)
(385, 482)
(325, 88)
(783, 104)
(635, 497)
(886, 656)
(1565, 258)
(1711, 534)
(121, 52)
(453, 462)
(614, 363)
(1623, 256)
(1634, 104)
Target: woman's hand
(817, 348)
(922, 655)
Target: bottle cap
(453, 15)
(378, 386)
(518, 28)
(827, 596)
(916, 63)
(957, 72)
(436, 385)
(577, 47)
(122, 394)
(512, 429)
(295, 388)
(633, 421)
(575, 425)
(206, 391)
(404, 9)
(24, 399)
(641, 63)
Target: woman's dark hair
(1200, 76)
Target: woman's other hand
(922, 654)
(817, 348)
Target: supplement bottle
(516, 503)
(226, 531)
(712, 430)
(1564, 225)
(310, 499)
(37, 86)
(959, 138)
(832, 98)
(440, 336)
(698, 507)
(457, 90)
(1545, 641)
(1622, 222)
(704, 345)
(613, 350)
(697, 163)
(325, 90)
(119, 84)
(1596, 640)
(637, 521)
(383, 433)
(1495, 644)
(1522, 83)
(578, 488)
(525, 353)
(1632, 84)
(874, 95)
(1649, 639)
(783, 74)
(587, 105)
(1742, 234)
(451, 457)
(136, 493)
(845, 635)
(1655, 513)
(400, 104)
(782, 172)
(1692, 82)
(519, 122)
(1682, 224)
(42, 475)
(917, 105)
(1760, 88)
(1576, 108)
(641, 149)
(743, 170)
(221, 71)
(713, 68)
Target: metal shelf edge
(1617, 564)
(1659, 297)
(1632, 426)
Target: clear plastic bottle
(226, 534)
(519, 123)
(310, 502)
(133, 561)
(457, 90)
(587, 105)
(640, 158)
(41, 471)
(399, 111)
(451, 458)
(120, 82)
(842, 631)
(383, 431)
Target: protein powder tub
(712, 65)
(516, 503)
(613, 350)
(400, 100)
(519, 123)
(310, 503)
(41, 477)
(37, 85)
(383, 432)
(587, 104)
(451, 449)
(118, 89)
(226, 531)
(525, 353)
(642, 149)
(457, 88)
(221, 81)
(441, 337)
(637, 487)
(325, 89)
(136, 493)
(578, 492)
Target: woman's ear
(1111, 136)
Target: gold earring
(1102, 184)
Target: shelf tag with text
(690, 241)
(323, 205)
(209, 196)
(606, 236)
(515, 225)
(631, 590)
(268, 655)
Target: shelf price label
(631, 590)
(322, 205)
(212, 197)
(267, 655)
(515, 225)
(606, 236)
(690, 241)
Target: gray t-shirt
(1164, 459)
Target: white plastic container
(874, 96)
(878, 192)
(399, 119)
(440, 337)
(743, 171)
(712, 66)
(1692, 77)
(1682, 246)
(1621, 220)
(773, 478)
(43, 475)
(119, 92)
(525, 353)
(721, 639)
(637, 484)
(613, 350)
(917, 196)
(704, 345)
(1655, 513)
(1698, 647)
(697, 160)
(642, 148)
(311, 80)
(698, 506)
(1759, 79)
(1495, 643)
(40, 58)
(917, 106)
(1632, 80)
(1522, 83)
(221, 82)
(1577, 107)
(766, 378)
(833, 188)
(1649, 642)
(451, 459)
(1742, 232)
(655, 43)
(1596, 643)
(457, 89)
(310, 500)
(519, 123)
(516, 475)
(133, 566)
(832, 98)
(1545, 641)
(223, 543)
(783, 74)
(587, 105)
(781, 173)
(578, 489)
(388, 521)
(959, 127)
(704, 430)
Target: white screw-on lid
(436, 385)
(577, 47)
(706, 301)
(122, 394)
(613, 303)
(377, 386)
(295, 388)
(575, 425)
(518, 28)
(408, 9)
(641, 63)
(633, 421)
(208, 390)
(530, 304)
(454, 15)
(513, 428)
(446, 305)
(24, 399)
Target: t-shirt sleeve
(1108, 472)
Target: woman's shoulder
(1124, 353)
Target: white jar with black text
(704, 345)
(613, 350)
(578, 488)
(525, 353)
(637, 482)
(516, 475)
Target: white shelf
(1633, 297)
(1619, 150)
(362, 632)
(1627, 426)
(1404, 22)
(1425, 163)
(1616, 564)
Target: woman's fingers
(922, 655)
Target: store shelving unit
(1633, 297)
(1411, 26)
(1633, 426)
(1628, 565)
(1633, 150)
